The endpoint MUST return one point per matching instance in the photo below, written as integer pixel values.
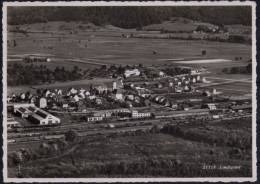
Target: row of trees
(239, 70)
(213, 137)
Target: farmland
(108, 45)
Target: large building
(136, 114)
(23, 112)
(94, 117)
(42, 117)
(15, 106)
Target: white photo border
(147, 3)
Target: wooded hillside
(129, 17)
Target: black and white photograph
(129, 91)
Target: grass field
(109, 46)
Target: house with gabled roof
(42, 117)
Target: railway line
(89, 129)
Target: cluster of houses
(177, 85)
(130, 94)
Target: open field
(108, 45)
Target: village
(135, 95)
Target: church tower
(114, 85)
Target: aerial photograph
(129, 92)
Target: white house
(129, 104)
(194, 80)
(117, 96)
(42, 103)
(98, 101)
(91, 97)
(47, 93)
(22, 96)
(65, 105)
(130, 97)
(212, 106)
(8, 99)
(76, 98)
(87, 93)
(198, 78)
(194, 71)
(174, 106)
(82, 90)
(161, 74)
(114, 85)
(134, 72)
(178, 90)
(179, 83)
(186, 88)
(132, 85)
(215, 92)
(81, 95)
(73, 91)
(136, 114)
(95, 118)
(59, 92)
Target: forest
(32, 74)
(129, 17)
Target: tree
(234, 70)
(70, 136)
(103, 67)
(203, 28)
(15, 44)
(76, 68)
(204, 52)
(225, 70)
(249, 68)
(57, 69)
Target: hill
(129, 17)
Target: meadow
(109, 46)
